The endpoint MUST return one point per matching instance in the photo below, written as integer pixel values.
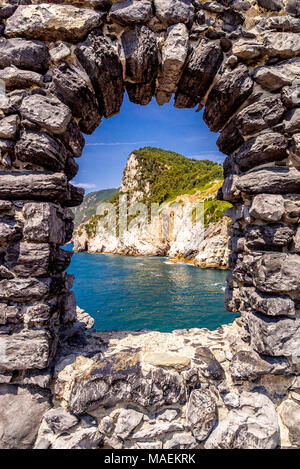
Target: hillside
(87, 209)
(153, 175)
(163, 175)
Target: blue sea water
(131, 293)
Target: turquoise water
(131, 293)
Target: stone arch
(65, 66)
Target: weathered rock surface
(275, 337)
(172, 12)
(274, 77)
(64, 65)
(201, 413)
(254, 425)
(72, 90)
(104, 68)
(141, 55)
(290, 414)
(64, 22)
(9, 127)
(131, 12)
(198, 74)
(41, 149)
(16, 79)
(27, 406)
(28, 55)
(174, 53)
(265, 148)
(267, 207)
(47, 112)
(229, 92)
(282, 45)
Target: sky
(107, 150)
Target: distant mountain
(89, 205)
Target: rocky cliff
(150, 176)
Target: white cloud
(112, 144)
(84, 185)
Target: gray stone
(270, 305)
(141, 54)
(47, 112)
(252, 119)
(41, 149)
(293, 7)
(119, 377)
(157, 430)
(9, 127)
(271, 181)
(43, 223)
(37, 315)
(292, 121)
(231, 400)
(282, 45)
(52, 22)
(59, 420)
(21, 412)
(198, 74)
(19, 289)
(131, 12)
(10, 230)
(290, 96)
(208, 364)
(174, 53)
(104, 68)
(85, 438)
(28, 55)
(15, 78)
(72, 90)
(28, 259)
(174, 11)
(273, 78)
(26, 349)
(267, 207)
(33, 185)
(9, 314)
(248, 50)
(263, 148)
(248, 365)
(268, 237)
(271, 5)
(290, 415)
(201, 413)
(43, 443)
(181, 441)
(229, 92)
(253, 425)
(274, 337)
(127, 421)
(272, 272)
(73, 139)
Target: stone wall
(65, 66)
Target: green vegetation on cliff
(169, 174)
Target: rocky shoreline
(210, 252)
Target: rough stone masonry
(65, 65)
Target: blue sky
(107, 150)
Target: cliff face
(171, 233)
